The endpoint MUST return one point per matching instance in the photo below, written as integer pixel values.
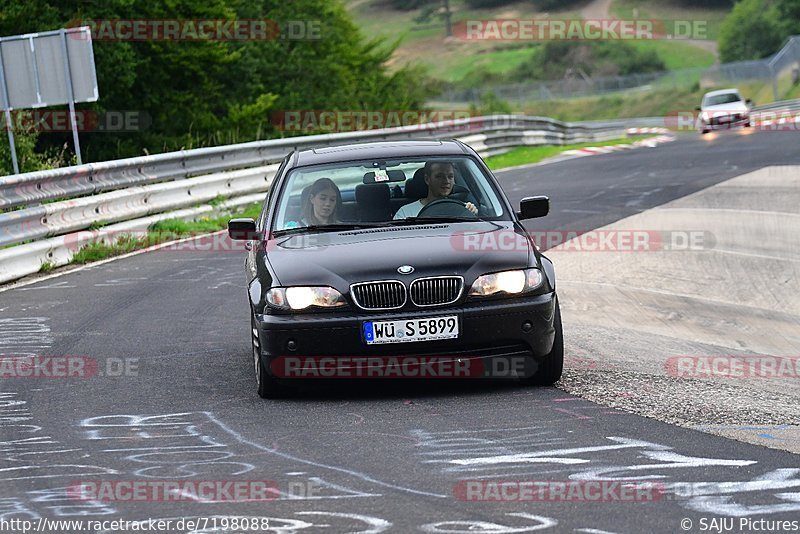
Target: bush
(489, 104)
(547, 5)
(26, 140)
(480, 4)
(407, 5)
(595, 58)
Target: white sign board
(47, 69)
(35, 73)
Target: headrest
(374, 194)
(416, 188)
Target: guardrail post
(774, 82)
(70, 96)
(9, 122)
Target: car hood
(342, 258)
(732, 107)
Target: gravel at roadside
(681, 401)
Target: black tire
(268, 385)
(551, 366)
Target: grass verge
(160, 232)
(657, 103)
(525, 155)
(707, 18)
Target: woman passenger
(322, 205)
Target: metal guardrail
(135, 192)
(131, 194)
(33, 187)
(124, 204)
(789, 106)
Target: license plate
(428, 329)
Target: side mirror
(533, 207)
(243, 230)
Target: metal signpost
(47, 69)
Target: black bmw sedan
(397, 259)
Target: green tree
(479, 4)
(752, 30)
(789, 15)
(205, 92)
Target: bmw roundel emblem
(405, 269)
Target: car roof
(380, 149)
(721, 92)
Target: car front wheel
(551, 366)
(268, 385)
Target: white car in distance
(723, 110)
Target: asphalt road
(365, 458)
(594, 191)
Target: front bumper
(521, 326)
(717, 123)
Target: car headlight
(300, 298)
(510, 282)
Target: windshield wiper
(322, 228)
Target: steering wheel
(445, 207)
(459, 193)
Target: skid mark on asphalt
(481, 456)
(180, 449)
(25, 336)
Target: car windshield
(727, 98)
(410, 190)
